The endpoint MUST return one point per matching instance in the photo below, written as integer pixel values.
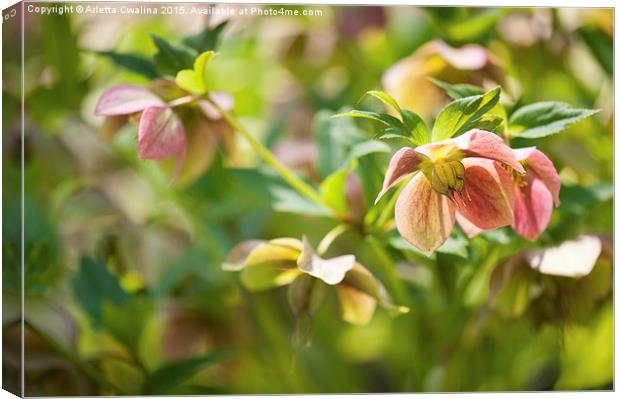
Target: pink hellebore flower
(160, 130)
(468, 174)
(535, 194)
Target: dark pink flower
(467, 174)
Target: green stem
(388, 269)
(288, 175)
(330, 237)
(84, 367)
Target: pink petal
(160, 134)
(532, 208)
(424, 217)
(523, 153)
(469, 57)
(487, 196)
(404, 162)
(483, 144)
(126, 99)
(470, 229)
(538, 162)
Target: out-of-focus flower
(160, 130)
(284, 261)
(408, 80)
(574, 258)
(466, 174)
(535, 194)
(162, 133)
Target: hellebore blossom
(289, 261)
(535, 194)
(467, 175)
(160, 131)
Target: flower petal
(487, 196)
(357, 307)
(470, 229)
(575, 258)
(424, 217)
(483, 144)
(331, 271)
(404, 162)
(532, 208)
(237, 256)
(160, 134)
(538, 162)
(469, 57)
(126, 99)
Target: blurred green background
(124, 293)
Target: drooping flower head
(467, 174)
(289, 261)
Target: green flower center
(446, 176)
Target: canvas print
(212, 199)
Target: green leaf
(385, 119)
(93, 285)
(461, 115)
(332, 191)
(391, 133)
(385, 98)
(207, 39)
(545, 118)
(415, 127)
(475, 26)
(135, 63)
(170, 59)
(126, 321)
(457, 91)
(195, 80)
(334, 139)
(601, 45)
(365, 148)
(171, 375)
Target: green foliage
(463, 114)
(170, 58)
(601, 46)
(132, 62)
(207, 39)
(410, 127)
(93, 285)
(458, 91)
(545, 118)
(168, 377)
